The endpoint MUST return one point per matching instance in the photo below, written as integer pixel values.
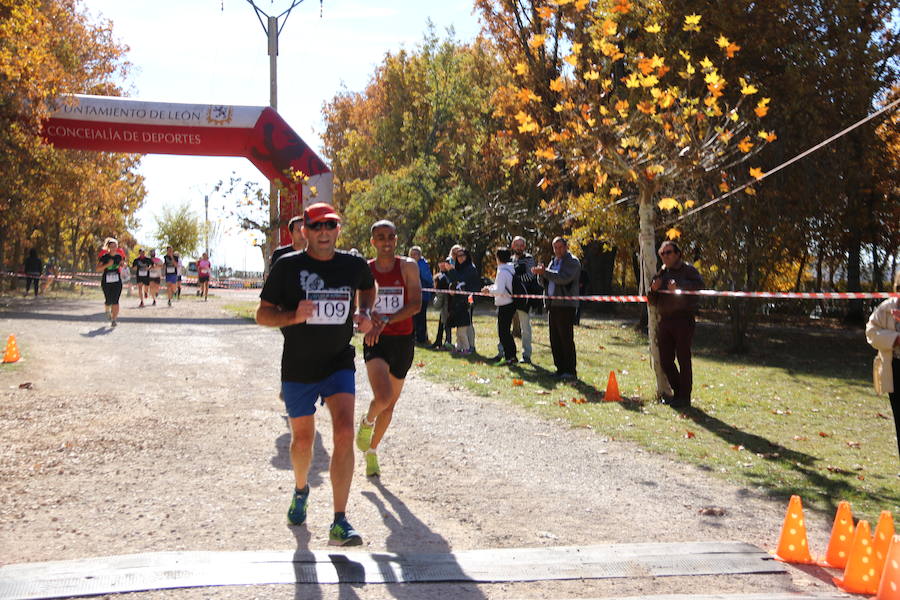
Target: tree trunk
(854, 309)
(647, 242)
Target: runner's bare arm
(270, 315)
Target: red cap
(320, 211)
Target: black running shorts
(396, 350)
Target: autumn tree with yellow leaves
(610, 103)
(64, 202)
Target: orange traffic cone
(11, 354)
(859, 576)
(612, 389)
(841, 538)
(884, 531)
(889, 589)
(792, 545)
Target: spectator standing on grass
(506, 308)
(33, 268)
(442, 304)
(560, 278)
(463, 277)
(883, 334)
(524, 263)
(420, 321)
(677, 320)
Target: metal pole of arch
(272, 29)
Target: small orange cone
(841, 538)
(11, 354)
(884, 531)
(889, 589)
(792, 545)
(859, 576)
(612, 389)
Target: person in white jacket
(502, 290)
(883, 334)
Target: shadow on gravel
(99, 331)
(101, 316)
(350, 573)
(408, 534)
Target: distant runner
(156, 269)
(109, 263)
(141, 266)
(171, 271)
(204, 268)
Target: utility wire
(784, 164)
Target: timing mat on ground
(164, 570)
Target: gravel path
(166, 433)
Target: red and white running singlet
(392, 295)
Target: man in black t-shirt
(141, 266)
(313, 295)
(298, 242)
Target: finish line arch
(257, 133)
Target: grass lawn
(797, 415)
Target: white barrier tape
(771, 295)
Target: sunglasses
(664, 252)
(322, 225)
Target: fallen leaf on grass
(778, 411)
(518, 382)
(737, 448)
(881, 415)
(542, 393)
(838, 470)
(823, 434)
(420, 364)
(561, 403)
(689, 435)
(854, 445)
(26, 386)
(801, 438)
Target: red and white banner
(257, 133)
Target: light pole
(272, 28)
(206, 223)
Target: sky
(215, 52)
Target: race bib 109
(332, 307)
(389, 301)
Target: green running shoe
(297, 512)
(343, 534)
(372, 468)
(364, 435)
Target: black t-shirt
(171, 263)
(279, 252)
(142, 266)
(111, 263)
(312, 352)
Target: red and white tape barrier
(771, 295)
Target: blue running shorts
(300, 398)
